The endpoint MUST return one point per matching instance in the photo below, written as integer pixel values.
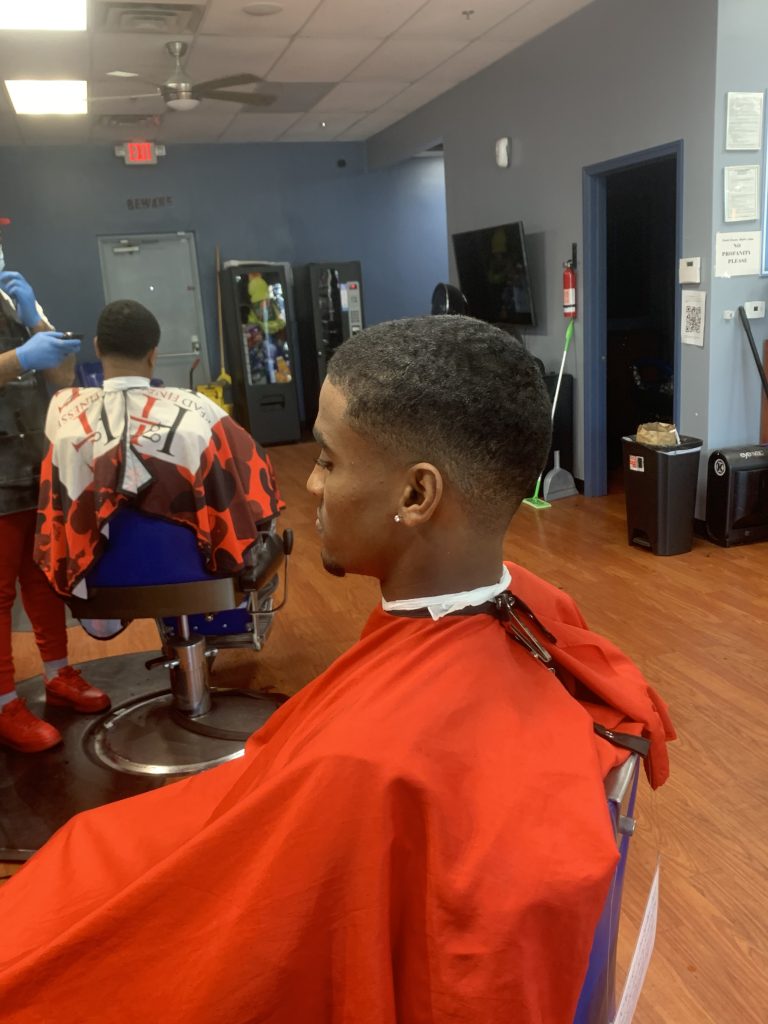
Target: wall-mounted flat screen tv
(493, 274)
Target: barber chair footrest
(142, 737)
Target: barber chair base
(148, 736)
(40, 792)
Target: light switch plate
(755, 310)
(689, 271)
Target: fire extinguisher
(569, 290)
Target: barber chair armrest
(266, 557)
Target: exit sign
(139, 154)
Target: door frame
(594, 190)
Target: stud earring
(398, 519)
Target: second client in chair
(165, 451)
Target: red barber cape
(169, 452)
(420, 836)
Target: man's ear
(421, 495)
(152, 358)
(96, 348)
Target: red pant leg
(45, 609)
(13, 529)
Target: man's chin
(332, 567)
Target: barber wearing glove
(28, 343)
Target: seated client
(421, 835)
(167, 451)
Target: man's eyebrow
(320, 439)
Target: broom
(535, 501)
(220, 391)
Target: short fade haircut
(128, 329)
(456, 392)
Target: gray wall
(258, 201)
(617, 77)
(734, 384)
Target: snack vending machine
(260, 336)
(329, 309)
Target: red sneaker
(68, 689)
(21, 730)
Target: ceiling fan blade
(223, 83)
(252, 99)
(122, 99)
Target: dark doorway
(632, 244)
(640, 301)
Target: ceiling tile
(340, 18)
(322, 60)
(44, 54)
(360, 96)
(371, 124)
(290, 97)
(406, 59)
(142, 52)
(446, 19)
(309, 127)
(194, 126)
(535, 18)
(258, 127)
(216, 56)
(226, 17)
(9, 131)
(59, 131)
(417, 95)
(467, 62)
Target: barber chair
(152, 568)
(597, 1002)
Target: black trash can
(660, 491)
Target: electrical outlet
(755, 310)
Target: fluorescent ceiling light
(44, 15)
(66, 97)
(123, 74)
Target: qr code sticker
(693, 319)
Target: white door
(160, 272)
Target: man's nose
(315, 482)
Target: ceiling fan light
(183, 103)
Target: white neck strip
(123, 383)
(445, 604)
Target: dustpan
(558, 483)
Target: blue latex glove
(45, 350)
(19, 289)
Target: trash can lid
(686, 444)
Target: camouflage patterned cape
(170, 452)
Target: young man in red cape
(420, 835)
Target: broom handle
(568, 336)
(218, 310)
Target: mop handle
(568, 336)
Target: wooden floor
(696, 625)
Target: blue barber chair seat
(153, 568)
(597, 1002)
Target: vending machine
(329, 309)
(260, 338)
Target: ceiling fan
(179, 93)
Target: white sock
(51, 668)
(6, 698)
